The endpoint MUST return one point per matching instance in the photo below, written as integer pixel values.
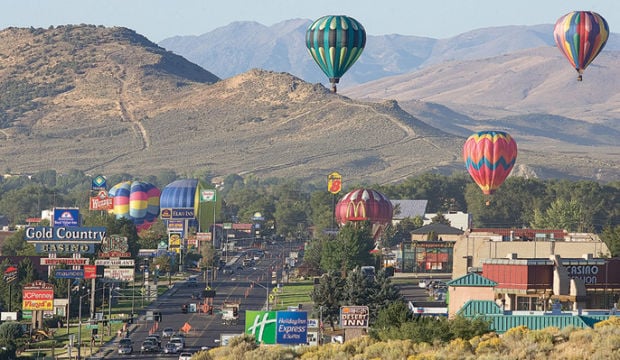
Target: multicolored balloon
(365, 205)
(335, 42)
(489, 157)
(137, 201)
(580, 36)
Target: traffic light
(235, 311)
(157, 317)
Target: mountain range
(107, 100)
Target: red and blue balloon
(580, 36)
(489, 157)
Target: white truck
(230, 312)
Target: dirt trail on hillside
(125, 108)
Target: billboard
(40, 234)
(261, 324)
(69, 274)
(118, 274)
(66, 217)
(277, 327)
(292, 327)
(38, 296)
(101, 202)
(353, 317)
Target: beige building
(479, 244)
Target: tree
(440, 218)
(327, 297)
(150, 238)
(350, 248)
(562, 214)
(16, 245)
(392, 315)
(10, 335)
(611, 238)
(402, 231)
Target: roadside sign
(69, 274)
(354, 317)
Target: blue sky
(160, 19)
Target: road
(206, 329)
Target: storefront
(427, 256)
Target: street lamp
(266, 289)
(79, 356)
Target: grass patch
(294, 293)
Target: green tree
(327, 297)
(16, 245)
(392, 315)
(350, 248)
(562, 214)
(150, 238)
(11, 334)
(440, 218)
(611, 238)
(402, 231)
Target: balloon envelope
(489, 157)
(185, 194)
(137, 201)
(365, 205)
(580, 36)
(335, 43)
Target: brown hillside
(106, 100)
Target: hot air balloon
(185, 194)
(365, 205)
(137, 201)
(489, 157)
(335, 42)
(580, 36)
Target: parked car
(171, 348)
(149, 346)
(228, 270)
(185, 356)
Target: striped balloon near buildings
(489, 157)
(137, 201)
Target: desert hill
(107, 100)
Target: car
(170, 348)
(155, 338)
(125, 342)
(167, 332)
(125, 349)
(228, 270)
(149, 346)
(192, 281)
(180, 344)
(185, 356)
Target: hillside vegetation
(107, 100)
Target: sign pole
(68, 302)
